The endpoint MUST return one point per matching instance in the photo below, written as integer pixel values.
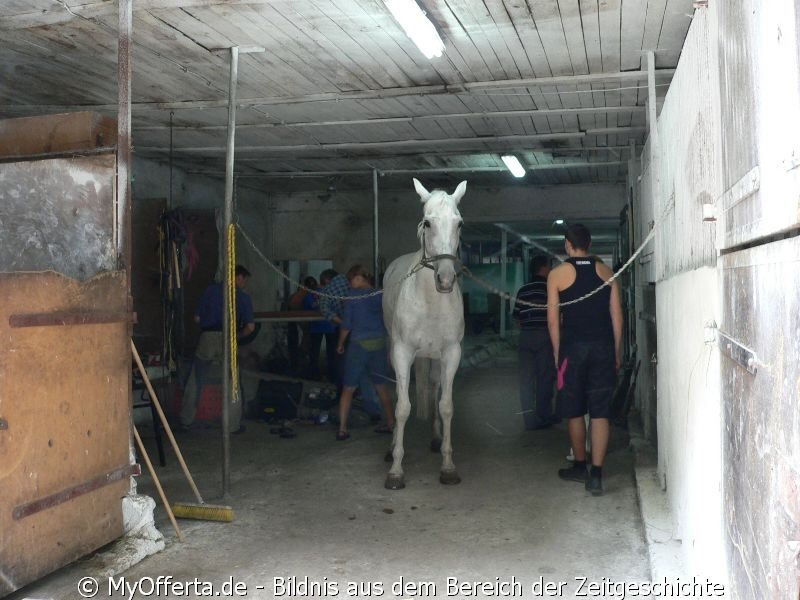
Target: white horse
(424, 315)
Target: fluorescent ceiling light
(559, 221)
(513, 165)
(417, 26)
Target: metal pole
(503, 275)
(655, 149)
(228, 328)
(123, 216)
(375, 227)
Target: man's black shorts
(589, 378)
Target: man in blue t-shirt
(334, 287)
(210, 345)
(362, 322)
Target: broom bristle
(203, 512)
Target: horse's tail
(424, 389)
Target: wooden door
(65, 363)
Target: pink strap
(561, 371)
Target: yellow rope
(231, 256)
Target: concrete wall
(727, 442)
(308, 226)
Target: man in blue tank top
(586, 339)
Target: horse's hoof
(449, 478)
(388, 457)
(436, 445)
(394, 482)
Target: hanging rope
(231, 266)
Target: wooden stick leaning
(163, 418)
(201, 510)
(158, 484)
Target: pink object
(561, 370)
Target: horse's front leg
(402, 358)
(434, 387)
(449, 365)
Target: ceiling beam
(533, 167)
(566, 151)
(419, 90)
(341, 173)
(343, 146)
(62, 12)
(373, 146)
(541, 112)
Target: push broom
(199, 510)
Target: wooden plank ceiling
(341, 90)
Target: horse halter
(428, 262)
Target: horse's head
(439, 232)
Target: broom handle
(157, 404)
(158, 484)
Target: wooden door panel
(64, 398)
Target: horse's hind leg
(449, 366)
(434, 386)
(402, 357)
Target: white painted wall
(682, 262)
(689, 417)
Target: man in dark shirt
(536, 372)
(210, 345)
(586, 339)
(362, 322)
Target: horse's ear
(460, 190)
(423, 193)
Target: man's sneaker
(574, 473)
(594, 485)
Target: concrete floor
(311, 507)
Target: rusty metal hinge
(738, 352)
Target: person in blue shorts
(362, 322)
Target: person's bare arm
(246, 330)
(553, 313)
(616, 322)
(343, 333)
(615, 307)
